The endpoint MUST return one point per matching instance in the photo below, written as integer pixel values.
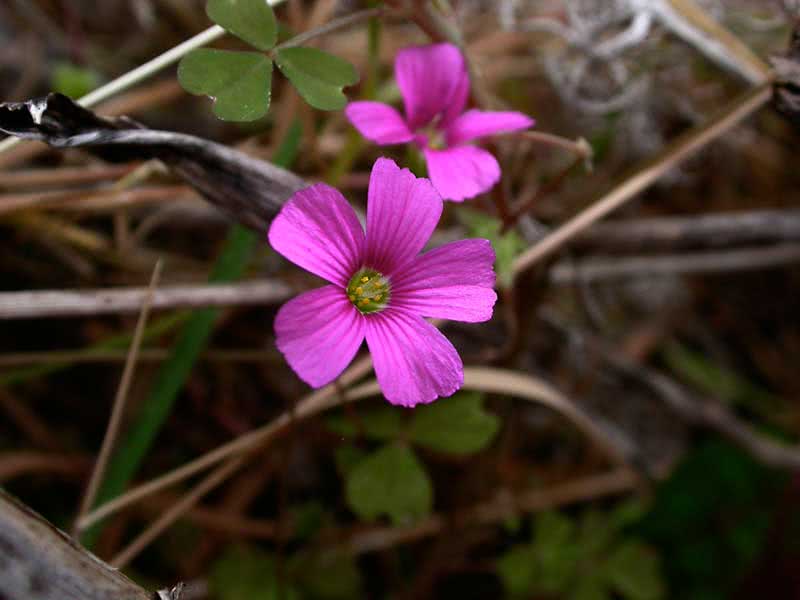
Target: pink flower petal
(318, 230)
(477, 123)
(402, 212)
(461, 172)
(414, 362)
(457, 102)
(319, 333)
(431, 79)
(454, 281)
(378, 122)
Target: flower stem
(340, 23)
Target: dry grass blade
(216, 477)
(119, 401)
(312, 404)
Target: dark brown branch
(251, 191)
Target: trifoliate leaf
(458, 425)
(392, 482)
(332, 578)
(250, 20)
(318, 76)
(379, 424)
(506, 246)
(239, 83)
(347, 458)
(633, 570)
(590, 587)
(517, 570)
(72, 80)
(557, 553)
(244, 573)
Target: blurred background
(673, 326)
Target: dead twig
(684, 147)
(690, 263)
(55, 303)
(16, 464)
(506, 505)
(697, 231)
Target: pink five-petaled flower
(434, 83)
(381, 287)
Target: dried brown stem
(119, 400)
(689, 263)
(696, 231)
(312, 404)
(684, 147)
(505, 506)
(28, 305)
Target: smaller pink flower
(434, 84)
(381, 287)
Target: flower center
(369, 291)
(434, 136)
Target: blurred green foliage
(584, 558)
(506, 245)
(710, 520)
(72, 80)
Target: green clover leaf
(250, 20)
(390, 481)
(318, 76)
(239, 83)
(458, 425)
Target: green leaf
(317, 75)
(392, 482)
(633, 569)
(458, 425)
(334, 578)
(590, 587)
(247, 574)
(250, 20)
(382, 424)
(557, 553)
(506, 246)
(72, 80)
(517, 569)
(239, 83)
(347, 458)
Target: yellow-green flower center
(369, 291)
(435, 136)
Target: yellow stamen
(352, 298)
(359, 290)
(378, 298)
(364, 279)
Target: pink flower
(434, 84)
(380, 286)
